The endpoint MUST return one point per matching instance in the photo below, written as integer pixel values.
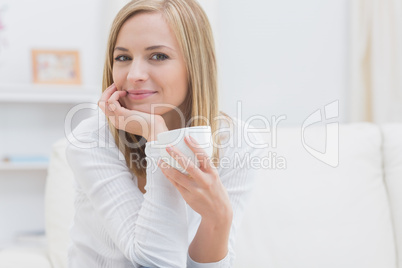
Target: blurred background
(278, 59)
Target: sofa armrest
(59, 205)
(24, 257)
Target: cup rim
(207, 128)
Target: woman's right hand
(132, 121)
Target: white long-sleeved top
(116, 225)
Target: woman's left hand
(202, 189)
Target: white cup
(201, 134)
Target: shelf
(31, 93)
(24, 166)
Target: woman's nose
(138, 71)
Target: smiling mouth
(139, 96)
(140, 92)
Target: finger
(114, 111)
(180, 188)
(105, 96)
(113, 103)
(178, 179)
(185, 162)
(107, 93)
(202, 156)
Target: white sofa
(306, 215)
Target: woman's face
(147, 56)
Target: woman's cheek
(116, 78)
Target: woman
(159, 75)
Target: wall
(30, 128)
(49, 24)
(283, 57)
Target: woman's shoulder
(95, 127)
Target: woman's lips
(139, 96)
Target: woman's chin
(147, 108)
(140, 108)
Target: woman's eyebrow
(121, 48)
(148, 48)
(158, 47)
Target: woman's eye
(120, 58)
(160, 57)
(157, 57)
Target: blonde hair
(194, 34)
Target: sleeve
(150, 229)
(238, 177)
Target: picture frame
(56, 66)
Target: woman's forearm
(210, 243)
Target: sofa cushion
(59, 205)
(311, 214)
(392, 151)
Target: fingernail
(169, 149)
